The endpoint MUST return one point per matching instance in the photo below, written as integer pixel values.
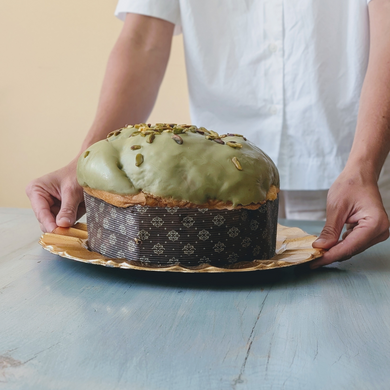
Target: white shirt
(285, 73)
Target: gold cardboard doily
(293, 247)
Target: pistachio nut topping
(198, 166)
(139, 159)
(237, 163)
(234, 144)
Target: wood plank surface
(69, 325)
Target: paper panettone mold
(168, 236)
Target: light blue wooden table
(68, 325)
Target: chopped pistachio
(150, 138)
(177, 139)
(237, 163)
(139, 159)
(234, 144)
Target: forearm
(134, 73)
(354, 197)
(372, 139)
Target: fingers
(330, 234)
(360, 208)
(71, 197)
(364, 235)
(41, 206)
(348, 231)
(55, 198)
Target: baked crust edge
(145, 199)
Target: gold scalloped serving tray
(293, 247)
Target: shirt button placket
(273, 110)
(273, 29)
(273, 47)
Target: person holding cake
(307, 82)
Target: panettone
(170, 193)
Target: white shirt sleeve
(163, 9)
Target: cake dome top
(179, 162)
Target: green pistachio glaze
(196, 170)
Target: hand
(57, 198)
(357, 203)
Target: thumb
(69, 205)
(331, 232)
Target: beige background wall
(53, 57)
